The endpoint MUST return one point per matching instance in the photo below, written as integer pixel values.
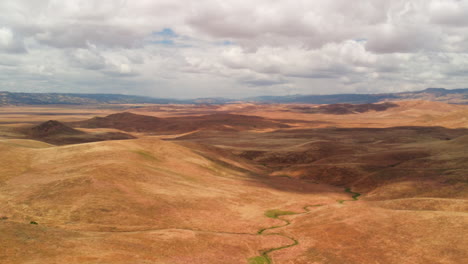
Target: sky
(232, 48)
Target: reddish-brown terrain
(127, 121)
(341, 109)
(57, 133)
(236, 183)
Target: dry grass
(202, 197)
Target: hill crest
(51, 128)
(173, 125)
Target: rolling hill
(250, 183)
(147, 200)
(57, 133)
(174, 125)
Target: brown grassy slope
(88, 193)
(57, 133)
(175, 125)
(147, 200)
(113, 202)
(41, 113)
(399, 159)
(358, 232)
(124, 121)
(51, 128)
(26, 243)
(408, 113)
(413, 178)
(341, 109)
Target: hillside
(140, 123)
(368, 159)
(57, 133)
(147, 200)
(405, 113)
(111, 201)
(238, 183)
(52, 128)
(342, 109)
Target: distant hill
(341, 109)
(124, 121)
(52, 128)
(324, 99)
(55, 132)
(10, 98)
(454, 96)
(140, 123)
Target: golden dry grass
(214, 196)
(138, 187)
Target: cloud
(87, 59)
(389, 38)
(10, 43)
(449, 13)
(110, 63)
(233, 48)
(79, 36)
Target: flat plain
(234, 183)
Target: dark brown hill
(227, 122)
(174, 125)
(124, 121)
(342, 109)
(57, 133)
(52, 128)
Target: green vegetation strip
(355, 194)
(145, 154)
(276, 214)
(259, 260)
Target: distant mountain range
(10, 98)
(454, 96)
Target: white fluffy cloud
(9, 42)
(239, 48)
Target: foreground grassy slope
(125, 194)
(150, 201)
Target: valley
(234, 183)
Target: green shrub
(275, 213)
(258, 260)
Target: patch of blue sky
(227, 43)
(167, 33)
(224, 43)
(167, 42)
(360, 39)
(165, 37)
